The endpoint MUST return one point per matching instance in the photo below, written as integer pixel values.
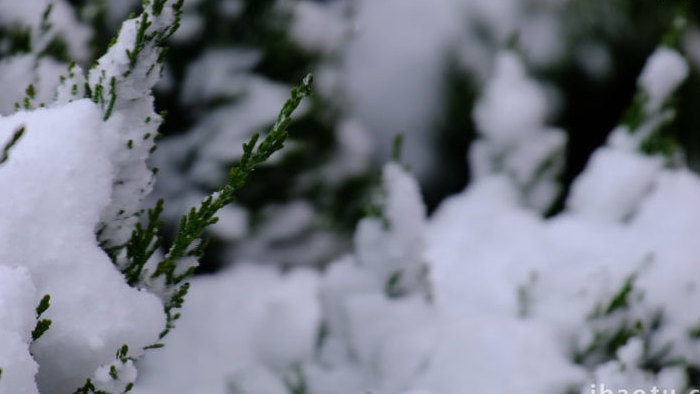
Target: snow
(92, 308)
(125, 372)
(520, 144)
(613, 195)
(393, 340)
(664, 71)
(18, 299)
(124, 84)
(249, 320)
(393, 244)
(502, 352)
(470, 228)
(509, 92)
(391, 71)
(625, 373)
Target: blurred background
(383, 68)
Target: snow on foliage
(258, 321)
(121, 83)
(17, 300)
(66, 150)
(518, 145)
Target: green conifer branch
(42, 325)
(141, 40)
(193, 224)
(188, 241)
(145, 240)
(89, 388)
(147, 36)
(621, 298)
(11, 143)
(45, 23)
(143, 243)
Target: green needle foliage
(42, 325)
(621, 299)
(8, 146)
(193, 224)
(134, 258)
(143, 243)
(188, 244)
(89, 388)
(145, 38)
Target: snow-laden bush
(496, 291)
(74, 175)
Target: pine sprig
(149, 35)
(188, 242)
(42, 325)
(176, 301)
(198, 219)
(141, 40)
(89, 388)
(143, 243)
(122, 356)
(45, 26)
(11, 143)
(122, 81)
